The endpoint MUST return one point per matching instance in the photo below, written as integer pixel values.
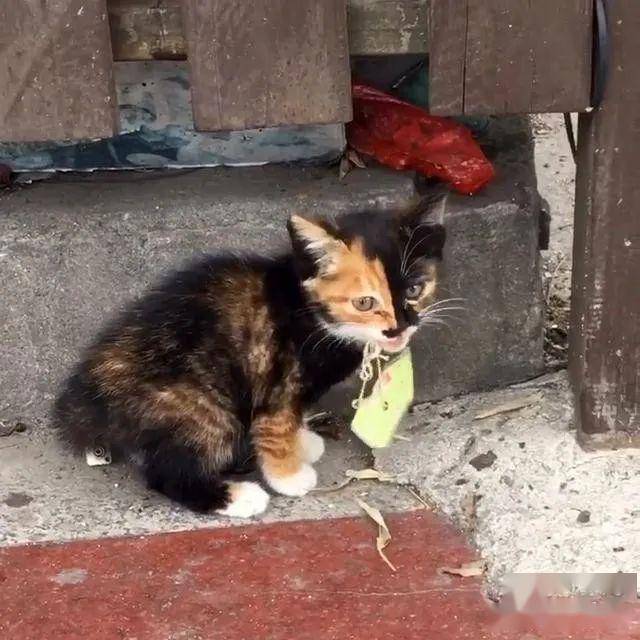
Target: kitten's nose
(393, 333)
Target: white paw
(297, 484)
(311, 445)
(247, 499)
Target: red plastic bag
(403, 136)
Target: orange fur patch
(355, 275)
(276, 441)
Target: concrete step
(73, 249)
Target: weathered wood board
(267, 63)
(153, 29)
(506, 56)
(383, 27)
(56, 79)
(605, 313)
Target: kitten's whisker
(313, 333)
(414, 262)
(319, 342)
(437, 322)
(434, 321)
(417, 244)
(445, 301)
(425, 312)
(456, 318)
(453, 308)
(405, 257)
(406, 247)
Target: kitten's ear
(429, 208)
(422, 225)
(314, 240)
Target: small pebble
(483, 461)
(584, 516)
(17, 500)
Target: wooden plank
(605, 337)
(447, 42)
(153, 29)
(56, 79)
(267, 63)
(516, 57)
(383, 27)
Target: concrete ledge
(492, 260)
(73, 250)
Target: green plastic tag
(379, 413)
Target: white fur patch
(311, 445)
(297, 484)
(247, 499)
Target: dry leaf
(345, 167)
(507, 407)
(467, 570)
(355, 159)
(384, 536)
(336, 487)
(469, 507)
(419, 498)
(362, 474)
(369, 474)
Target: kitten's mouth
(397, 343)
(394, 345)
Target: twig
(419, 498)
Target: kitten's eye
(365, 303)
(413, 292)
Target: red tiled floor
(312, 580)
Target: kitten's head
(370, 275)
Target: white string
(371, 353)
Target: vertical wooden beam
(56, 79)
(447, 43)
(605, 336)
(267, 62)
(503, 56)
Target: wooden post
(605, 338)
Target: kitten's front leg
(284, 448)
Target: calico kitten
(219, 362)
